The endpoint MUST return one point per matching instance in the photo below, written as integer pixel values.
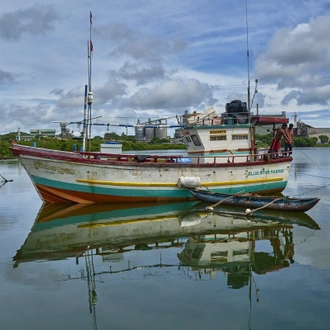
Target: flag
(90, 16)
(91, 46)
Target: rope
(312, 161)
(223, 200)
(262, 207)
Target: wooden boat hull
(252, 201)
(72, 177)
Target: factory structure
(145, 132)
(307, 131)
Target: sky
(156, 59)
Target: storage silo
(149, 133)
(161, 132)
(139, 133)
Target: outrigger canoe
(253, 201)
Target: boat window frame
(237, 137)
(242, 252)
(218, 135)
(195, 140)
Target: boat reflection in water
(224, 240)
(220, 239)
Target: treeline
(128, 143)
(299, 142)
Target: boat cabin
(229, 137)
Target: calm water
(165, 266)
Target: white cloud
(297, 59)
(159, 58)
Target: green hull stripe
(114, 215)
(152, 191)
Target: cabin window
(197, 253)
(196, 141)
(216, 135)
(239, 137)
(188, 139)
(216, 138)
(240, 252)
(219, 256)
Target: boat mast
(248, 56)
(85, 119)
(90, 93)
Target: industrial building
(34, 133)
(145, 132)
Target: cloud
(174, 95)
(35, 20)
(57, 91)
(109, 91)
(73, 98)
(299, 59)
(142, 73)
(5, 77)
(319, 95)
(139, 46)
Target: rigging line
(306, 238)
(317, 176)
(311, 190)
(311, 161)
(325, 186)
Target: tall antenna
(248, 55)
(90, 93)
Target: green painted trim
(158, 192)
(111, 216)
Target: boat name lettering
(52, 168)
(262, 172)
(55, 238)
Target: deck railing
(180, 159)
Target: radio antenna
(248, 56)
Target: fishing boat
(221, 154)
(254, 201)
(221, 157)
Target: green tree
(4, 149)
(314, 141)
(300, 142)
(324, 138)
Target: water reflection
(223, 241)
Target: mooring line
(311, 161)
(317, 176)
